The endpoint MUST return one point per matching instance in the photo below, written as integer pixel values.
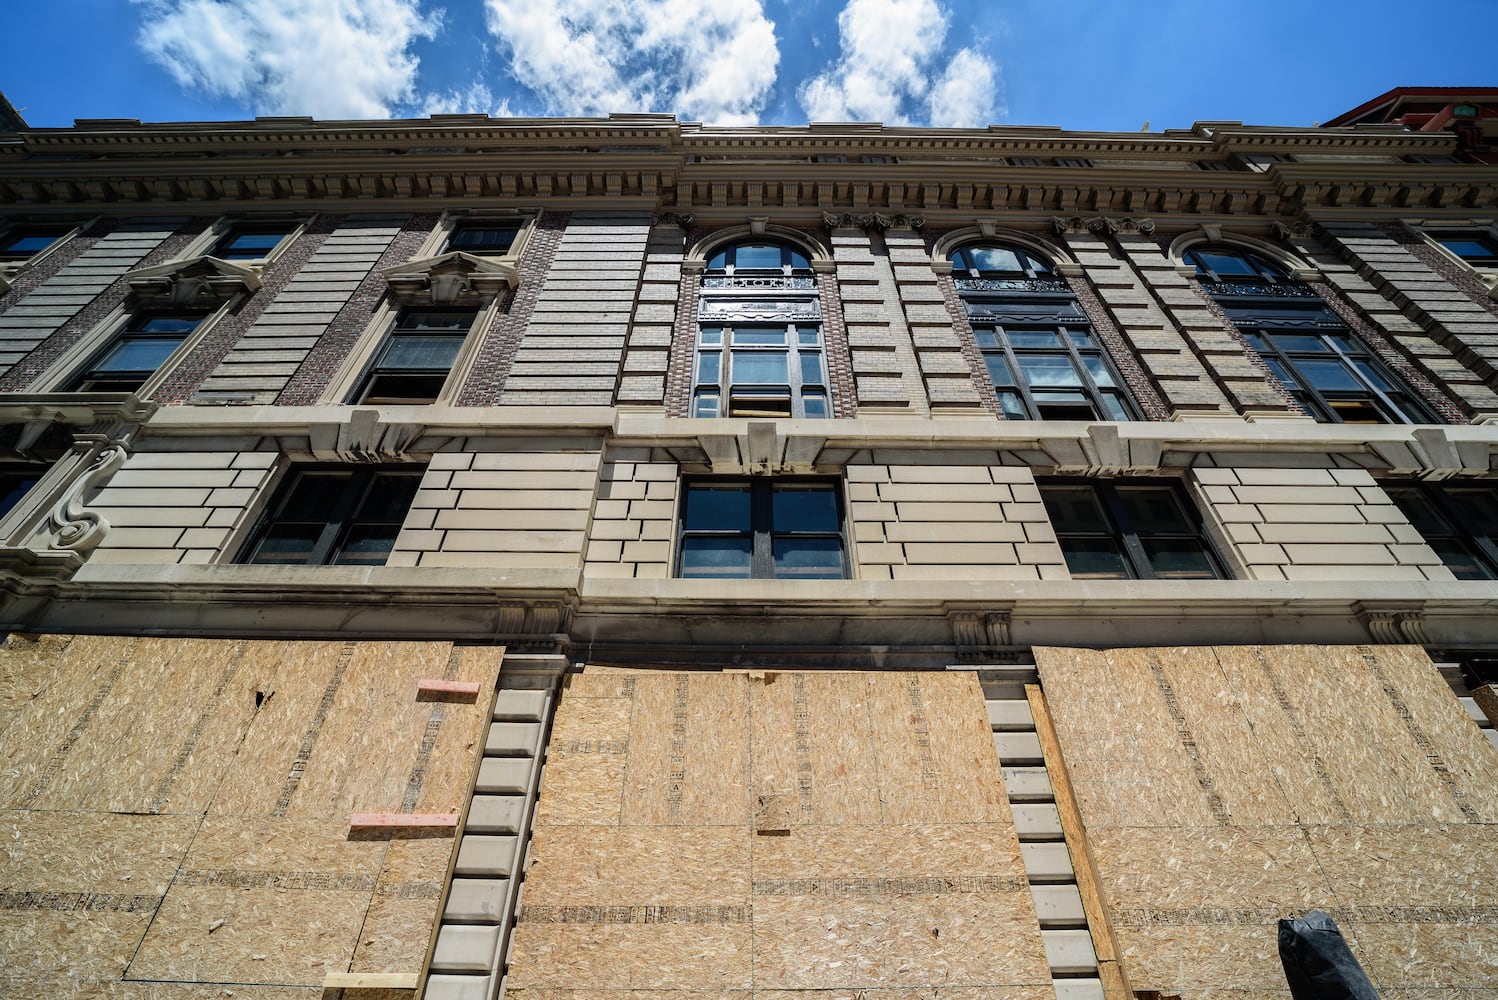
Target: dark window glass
(997, 261)
(1238, 268)
(334, 516)
(25, 242)
(1335, 377)
(758, 257)
(491, 239)
(1477, 249)
(761, 528)
(1053, 373)
(251, 242)
(1458, 521)
(15, 482)
(1129, 530)
(413, 363)
(134, 356)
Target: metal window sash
(1470, 535)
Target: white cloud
(895, 67)
(713, 62)
(325, 58)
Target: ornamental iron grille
(1042, 355)
(759, 355)
(1329, 371)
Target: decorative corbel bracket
(363, 437)
(75, 528)
(451, 279)
(980, 633)
(193, 281)
(762, 450)
(1394, 622)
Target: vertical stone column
(946, 369)
(1448, 336)
(1124, 272)
(885, 368)
(647, 352)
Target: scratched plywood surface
(674, 888)
(1344, 778)
(174, 813)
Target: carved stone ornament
(75, 528)
(1297, 230)
(679, 219)
(979, 634)
(871, 221)
(192, 281)
(1075, 225)
(1128, 225)
(1394, 625)
(362, 437)
(451, 279)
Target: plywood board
(682, 893)
(28, 664)
(90, 852)
(1432, 867)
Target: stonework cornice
(451, 279)
(192, 281)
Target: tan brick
(959, 553)
(1349, 555)
(1366, 534)
(953, 493)
(956, 531)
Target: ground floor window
(762, 529)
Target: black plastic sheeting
(1318, 963)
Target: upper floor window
(413, 363)
(16, 480)
(1042, 355)
(762, 529)
(1459, 521)
(1328, 370)
(252, 241)
(135, 354)
(486, 239)
(1476, 248)
(1129, 530)
(334, 515)
(759, 349)
(24, 242)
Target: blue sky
(1079, 64)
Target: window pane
(167, 324)
(707, 405)
(808, 509)
(760, 367)
(1154, 510)
(986, 336)
(1115, 407)
(1094, 559)
(1479, 507)
(389, 498)
(1225, 264)
(716, 508)
(287, 544)
(1282, 373)
(1467, 247)
(1179, 559)
(809, 336)
(1082, 338)
(484, 239)
(1098, 369)
(707, 367)
(1013, 406)
(1372, 375)
(421, 352)
(718, 261)
(1328, 375)
(811, 368)
(315, 496)
(759, 335)
(249, 245)
(366, 545)
(757, 257)
(1420, 512)
(27, 244)
(139, 354)
(1074, 509)
(1299, 342)
(1462, 563)
(1033, 338)
(814, 404)
(711, 335)
(724, 558)
(808, 558)
(1046, 370)
(994, 259)
(998, 369)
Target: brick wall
(1315, 524)
(178, 506)
(947, 372)
(948, 522)
(633, 516)
(885, 369)
(512, 509)
(270, 352)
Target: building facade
(634, 559)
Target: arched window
(1044, 358)
(759, 349)
(1329, 371)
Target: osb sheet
(895, 993)
(1345, 778)
(896, 868)
(178, 810)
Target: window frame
(227, 231)
(468, 223)
(373, 369)
(134, 328)
(1479, 545)
(55, 233)
(725, 390)
(1127, 535)
(761, 530)
(1019, 383)
(340, 519)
